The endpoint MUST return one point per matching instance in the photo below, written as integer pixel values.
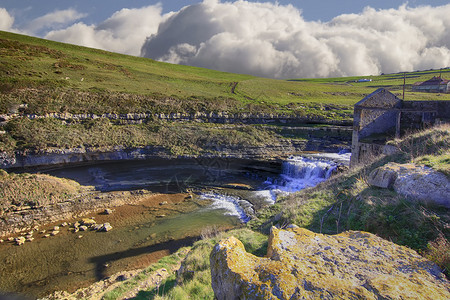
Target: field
(63, 73)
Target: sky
(275, 39)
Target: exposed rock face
(301, 264)
(417, 182)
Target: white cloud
(6, 20)
(124, 32)
(56, 19)
(264, 39)
(275, 41)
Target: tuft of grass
(438, 251)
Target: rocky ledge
(301, 264)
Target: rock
(83, 228)
(96, 227)
(382, 177)
(46, 235)
(301, 264)
(88, 222)
(54, 232)
(64, 224)
(108, 211)
(412, 181)
(163, 203)
(56, 228)
(105, 227)
(19, 240)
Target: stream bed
(162, 222)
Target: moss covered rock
(301, 264)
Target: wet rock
(19, 240)
(301, 264)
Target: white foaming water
(232, 205)
(297, 173)
(302, 172)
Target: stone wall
(374, 114)
(384, 114)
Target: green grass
(63, 73)
(193, 281)
(101, 134)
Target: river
(227, 194)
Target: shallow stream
(227, 193)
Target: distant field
(27, 62)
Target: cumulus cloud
(6, 20)
(273, 40)
(124, 32)
(56, 19)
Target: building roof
(436, 80)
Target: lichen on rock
(301, 264)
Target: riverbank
(145, 229)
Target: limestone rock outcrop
(412, 181)
(301, 264)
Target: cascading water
(297, 173)
(302, 172)
(232, 205)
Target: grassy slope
(32, 62)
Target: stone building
(382, 115)
(436, 84)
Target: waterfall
(302, 172)
(231, 205)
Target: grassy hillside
(78, 79)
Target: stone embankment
(27, 219)
(414, 182)
(301, 264)
(209, 117)
(57, 156)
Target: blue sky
(279, 39)
(98, 10)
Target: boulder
(412, 181)
(301, 264)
